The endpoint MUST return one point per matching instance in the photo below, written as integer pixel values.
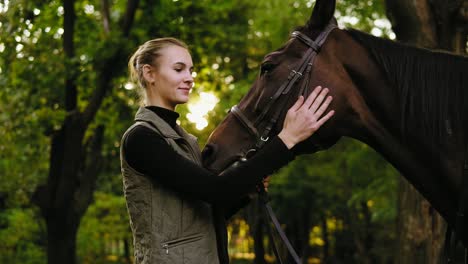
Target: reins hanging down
(294, 77)
(269, 211)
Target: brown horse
(409, 104)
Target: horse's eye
(266, 67)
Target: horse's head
(307, 59)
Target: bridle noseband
(294, 77)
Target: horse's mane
(431, 85)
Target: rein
(294, 77)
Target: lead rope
(269, 211)
(270, 232)
(294, 76)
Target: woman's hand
(264, 185)
(304, 117)
(260, 187)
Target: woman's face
(172, 78)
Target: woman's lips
(185, 89)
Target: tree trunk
(254, 216)
(367, 232)
(258, 234)
(326, 241)
(259, 248)
(305, 232)
(61, 244)
(421, 229)
(127, 251)
(75, 163)
(360, 222)
(293, 232)
(435, 24)
(68, 193)
(56, 199)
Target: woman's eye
(178, 70)
(266, 67)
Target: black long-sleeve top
(148, 153)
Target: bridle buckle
(297, 73)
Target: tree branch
(89, 173)
(105, 15)
(68, 47)
(445, 15)
(463, 13)
(412, 21)
(105, 71)
(132, 6)
(104, 84)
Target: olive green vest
(167, 227)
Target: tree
(435, 24)
(75, 159)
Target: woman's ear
(148, 73)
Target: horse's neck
(425, 164)
(434, 167)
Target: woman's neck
(159, 104)
(167, 115)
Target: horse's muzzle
(209, 154)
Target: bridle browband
(294, 77)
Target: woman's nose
(189, 78)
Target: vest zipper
(178, 242)
(166, 247)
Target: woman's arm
(147, 152)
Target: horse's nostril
(208, 154)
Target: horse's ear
(322, 14)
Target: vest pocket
(180, 241)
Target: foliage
(334, 185)
(104, 231)
(227, 39)
(21, 235)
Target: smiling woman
(178, 208)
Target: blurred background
(65, 101)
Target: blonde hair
(148, 53)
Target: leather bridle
(294, 77)
(304, 70)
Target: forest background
(65, 101)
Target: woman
(177, 208)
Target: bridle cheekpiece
(294, 77)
